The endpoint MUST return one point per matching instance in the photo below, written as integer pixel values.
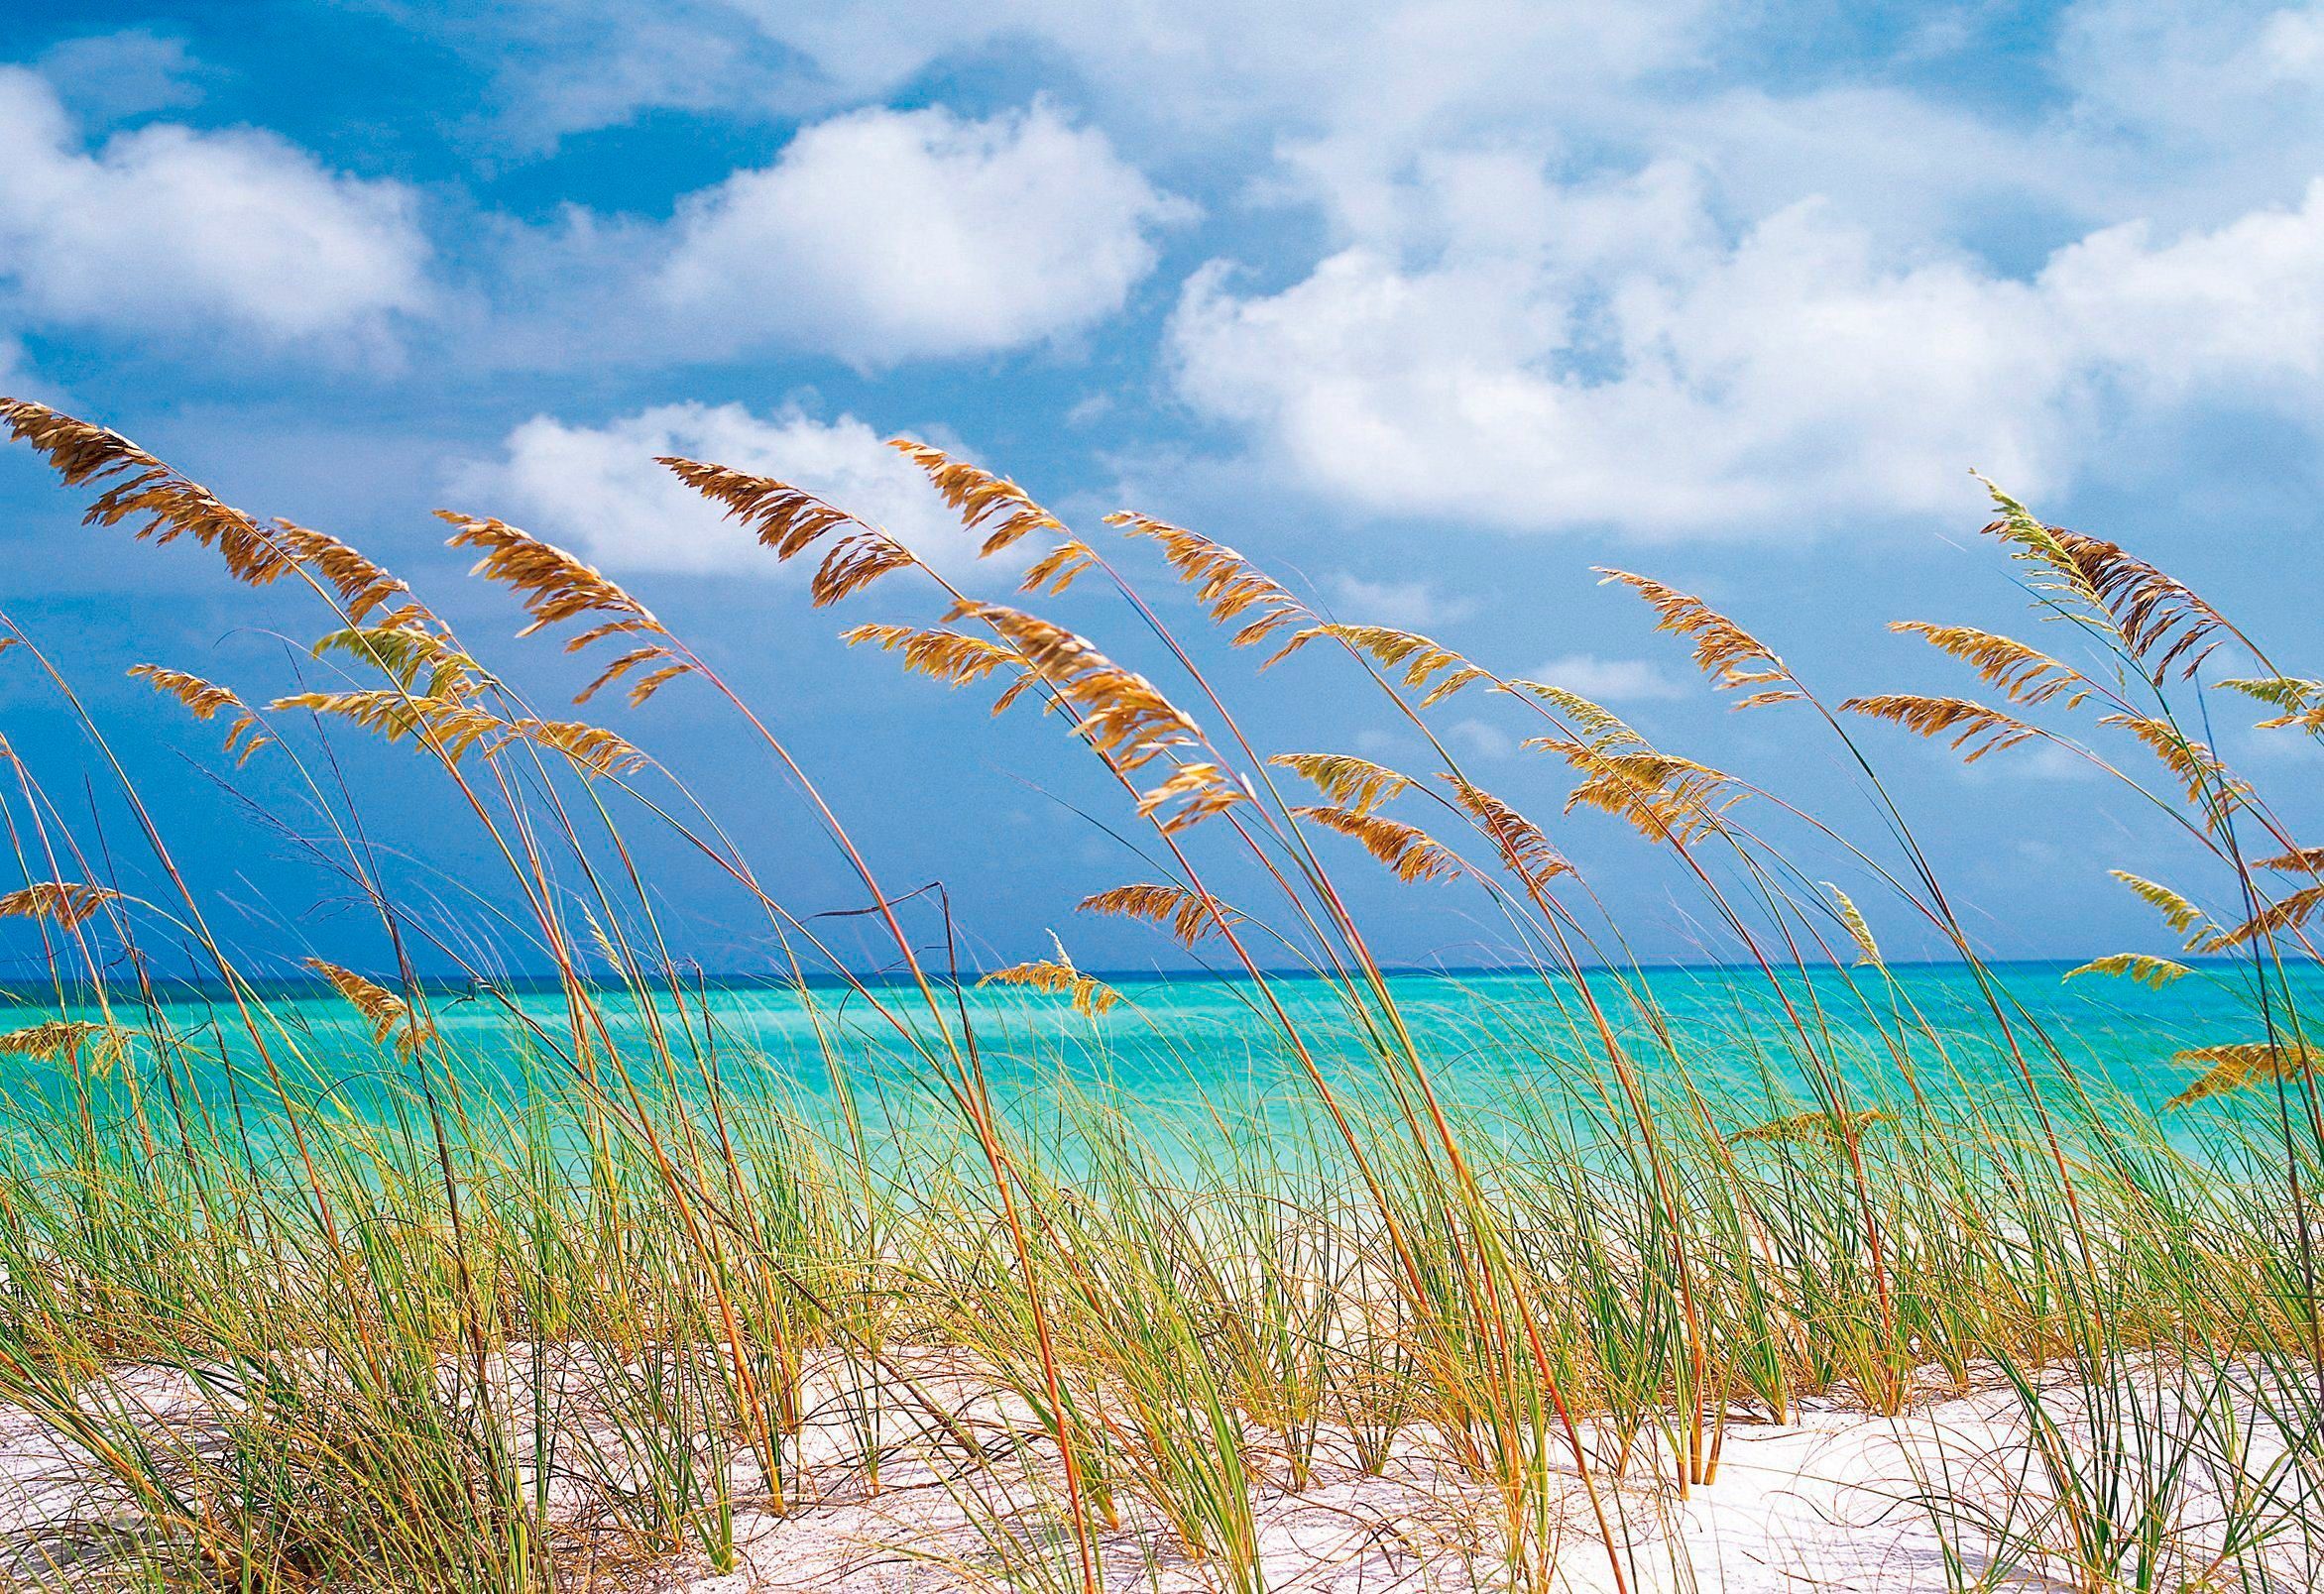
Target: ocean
(1184, 1047)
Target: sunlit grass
(546, 1300)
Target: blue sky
(1428, 306)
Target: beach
(535, 1254)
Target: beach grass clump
(500, 1286)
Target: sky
(1428, 306)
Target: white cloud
(1611, 362)
(886, 235)
(1376, 79)
(1793, 374)
(1195, 70)
(131, 72)
(2243, 301)
(1396, 603)
(599, 491)
(2181, 70)
(1610, 680)
(169, 229)
(564, 67)
(1482, 738)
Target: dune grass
(562, 1307)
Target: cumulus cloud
(1611, 361)
(174, 230)
(1397, 603)
(599, 491)
(2243, 301)
(1793, 373)
(1610, 680)
(886, 235)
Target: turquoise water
(1178, 1046)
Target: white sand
(1837, 1500)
